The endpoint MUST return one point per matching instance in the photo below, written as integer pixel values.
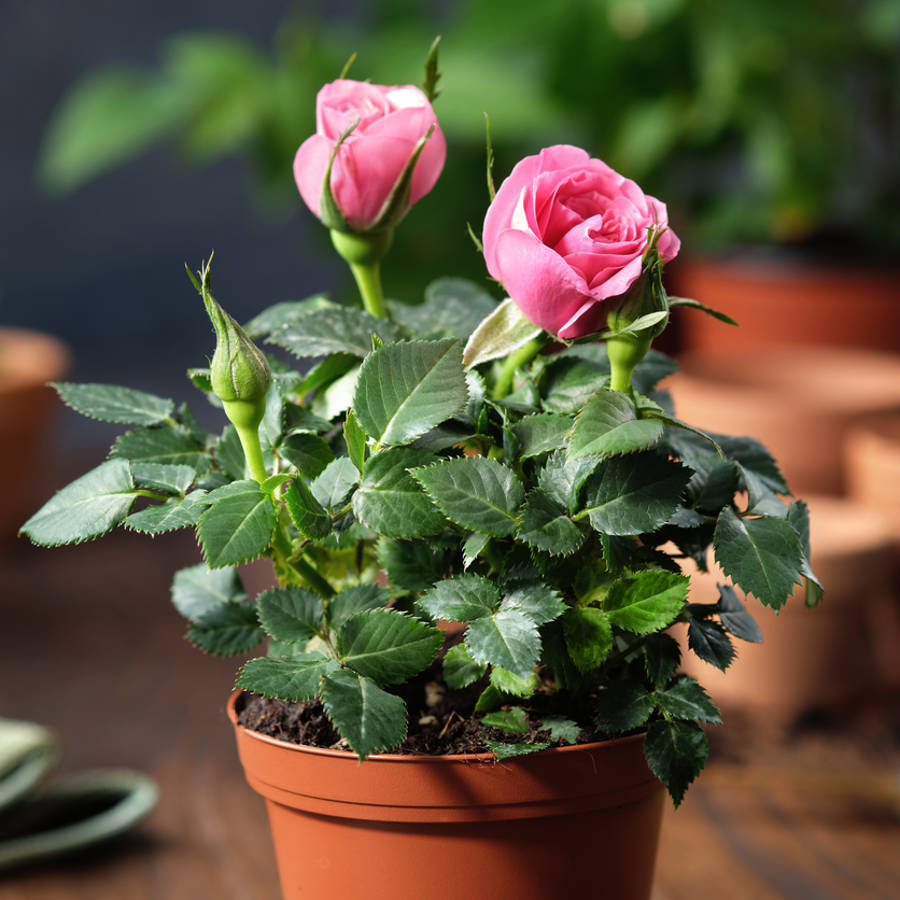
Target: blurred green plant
(760, 121)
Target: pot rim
(445, 758)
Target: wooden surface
(102, 660)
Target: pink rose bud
(390, 160)
(565, 233)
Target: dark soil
(441, 721)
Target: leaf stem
(515, 361)
(287, 563)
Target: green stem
(286, 562)
(252, 452)
(516, 360)
(368, 280)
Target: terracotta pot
(819, 657)
(872, 457)
(799, 401)
(559, 823)
(28, 360)
(787, 302)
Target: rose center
(614, 226)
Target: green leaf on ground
(564, 730)
(647, 601)
(296, 678)
(503, 750)
(513, 720)
(227, 630)
(676, 751)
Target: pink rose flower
(566, 232)
(392, 120)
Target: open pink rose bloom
(392, 120)
(566, 232)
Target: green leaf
(617, 552)
(329, 402)
(453, 308)
(295, 679)
(507, 638)
(353, 600)
(634, 495)
(472, 548)
(390, 501)
(339, 329)
(387, 646)
(758, 467)
(505, 329)
(169, 516)
(588, 636)
(710, 642)
(676, 752)
(460, 670)
(623, 706)
(542, 433)
(335, 482)
(308, 453)
(306, 512)
(507, 683)
(475, 493)
(609, 425)
(367, 717)
(686, 699)
(238, 527)
(489, 699)
(227, 629)
(798, 516)
(570, 383)
(734, 616)
(412, 565)
(662, 655)
(110, 403)
(513, 720)
(461, 598)
(540, 603)
(406, 389)
(647, 601)
(171, 479)
(503, 750)
(87, 508)
(562, 479)
(281, 315)
(355, 439)
(327, 371)
(546, 525)
(290, 614)
(762, 556)
(695, 304)
(563, 730)
(171, 445)
(230, 454)
(197, 589)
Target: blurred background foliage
(759, 122)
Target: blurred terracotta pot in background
(872, 460)
(799, 401)
(28, 360)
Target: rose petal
(310, 164)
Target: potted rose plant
(509, 469)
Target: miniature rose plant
(510, 467)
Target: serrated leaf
(460, 670)
(336, 398)
(564, 730)
(110, 403)
(308, 453)
(387, 646)
(367, 717)
(288, 312)
(647, 601)
(406, 389)
(568, 384)
(503, 750)
(475, 493)
(676, 752)
(355, 439)
(166, 444)
(335, 482)
(305, 511)
(562, 479)
(734, 616)
(710, 642)
(507, 638)
(295, 678)
(472, 548)
(461, 598)
(227, 629)
(390, 501)
(237, 528)
(588, 636)
(686, 699)
(498, 334)
(757, 466)
(230, 454)
(290, 614)
(168, 516)
(539, 602)
(608, 425)
(339, 329)
(453, 308)
(623, 706)
(662, 656)
(87, 508)
(542, 433)
(762, 556)
(798, 516)
(171, 479)
(411, 565)
(352, 600)
(509, 684)
(197, 589)
(546, 525)
(513, 720)
(617, 552)
(634, 495)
